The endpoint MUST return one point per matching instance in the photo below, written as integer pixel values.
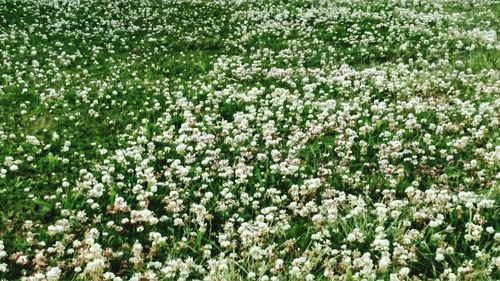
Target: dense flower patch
(249, 140)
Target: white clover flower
(53, 274)
(33, 140)
(181, 148)
(3, 267)
(384, 262)
(437, 221)
(356, 235)
(439, 254)
(143, 216)
(404, 271)
(13, 167)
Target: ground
(249, 140)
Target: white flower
(53, 274)
(181, 148)
(143, 216)
(384, 262)
(3, 267)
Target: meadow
(260, 140)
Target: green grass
(127, 83)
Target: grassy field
(249, 140)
